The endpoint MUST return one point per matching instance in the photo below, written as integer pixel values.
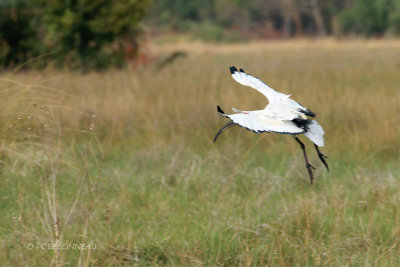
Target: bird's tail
(315, 133)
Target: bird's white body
(282, 114)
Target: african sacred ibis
(282, 115)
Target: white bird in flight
(282, 115)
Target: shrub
(85, 34)
(366, 17)
(18, 36)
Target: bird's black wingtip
(220, 111)
(232, 69)
(241, 70)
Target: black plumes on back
(307, 112)
(301, 123)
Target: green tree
(178, 14)
(367, 17)
(394, 18)
(18, 37)
(77, 33)
(86, 31)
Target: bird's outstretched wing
(259, 122)
(245, 79)
(273, 96)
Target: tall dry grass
(352, 86)
(125, 159)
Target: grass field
(124, 160)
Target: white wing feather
(259, 122)
(248, 80)
(272, 95)
(277, 115)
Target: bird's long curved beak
(225, 127)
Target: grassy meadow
(124, 160)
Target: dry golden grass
(125, 159)
(352, 86)
(302, 45)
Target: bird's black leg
(322, 157)
(308, 165)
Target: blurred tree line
(230, 19)
(91, 34)
(82, 34)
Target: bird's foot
(322, 157)
(310, 173)
(308, 165)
